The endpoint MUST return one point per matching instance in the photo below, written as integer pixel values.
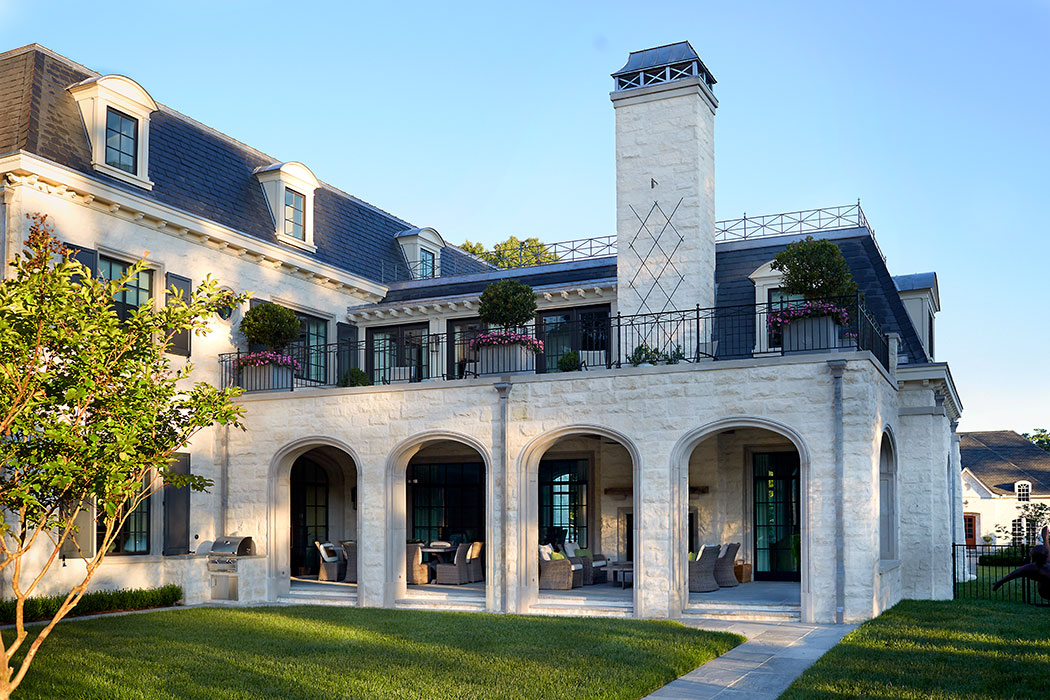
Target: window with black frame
(576, 338)
(446, 501)
(427, 264)
(309, 512)
(122, 141)
(135, 293)
(310, 348)
(133, 536)
(294, 214)
(462, 361)
(399, 353)
(778, 301)
(563, 501)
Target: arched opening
(440, 525)
(314, 501)
(581, 504)
(888, 520)
(744, 526)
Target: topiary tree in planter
(273, 327)
(816, 270)
(507, 305)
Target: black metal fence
(562, 343)
(976, 568)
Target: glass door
(309, 510)
(583, 332)
(399, 354)
(776, 514)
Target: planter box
(814, 333)
(266, 378)
(505, 359)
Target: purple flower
(502, 338)
(807, 309)
(258, 359)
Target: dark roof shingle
(1001, 457)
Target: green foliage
(267, 653)
(90, 409)
(643, 354)
(1035, 512)
(675, 356)
(45, 607)
(355, 377)
(513, 253)
(569, 362)
(507, 304)
(271, 325)
(1007, 556)
(814, 269)
(1039, 437)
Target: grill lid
(236, 546)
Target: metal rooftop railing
(744, 228)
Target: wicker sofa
(558, 574)
(593, 564)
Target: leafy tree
(1039, 437)
(513, 253)
(507, 304)
(91, 412)
(815, 269)
(271, 325)
(1037, 514)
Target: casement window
(427, 266)
(1023, 491)
(122, 134)
(310, 348)
(447, 501)
(294, 214)
(180, 342)
(1022, 532)
(563, 501)
(398, 353)
(133, 537)
(177, 510)
(135, 293)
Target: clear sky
(486, 121)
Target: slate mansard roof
(194, 168)
(1001, 457)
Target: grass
(981, 587)
(326, 652)
(931, 649)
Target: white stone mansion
(664, 413)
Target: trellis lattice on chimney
(655, 276)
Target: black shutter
(177, 510)
(180, 342)
(346, 355)
(85, 256)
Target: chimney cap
(662, 64)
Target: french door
(778, 544)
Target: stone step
(302, 598)
(459, 605)
(581, 610)
(755, 614)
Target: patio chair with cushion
(333, 562)
(350, 553)
(594, 565)
(418, 573)
(702, 571)
(724, 574)
(477, 565)
(458, 572)
(557, 572)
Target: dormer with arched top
(116, 110)
(289, 189)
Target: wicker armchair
(418, 572)
(593, 565)
(558, 574)
(350, 552)
(477, 565)
(724, 574)
(702, 571)
(458, 572)
(333, 562)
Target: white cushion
(440, 543)
(570, 549)
(545, 552)
(577, 567)
(598, 564)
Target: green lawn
(925, 649)
(327, 652)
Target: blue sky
(485, 122)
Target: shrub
(569, 362)
(643, 354)
(271, 325)
(1007, 556)
(355, 377)
(814, 269)
(507, 304)
(44, 608)
(676, 355)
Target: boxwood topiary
(569, 362)
(507, 304)
(271, 325)
(815, 269)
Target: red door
(970, 526)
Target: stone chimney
(665, 181)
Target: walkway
(762, 668)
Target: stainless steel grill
(222, 565)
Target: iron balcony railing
(568, 344)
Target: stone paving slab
(762, 668)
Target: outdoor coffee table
(620, 572)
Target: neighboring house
(830, 457)
(1001, 472)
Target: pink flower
(503, 338)
(258, 359)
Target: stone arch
(528, 463)
(396, 512)
(279, 504)
(680, 457)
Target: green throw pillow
(555, 556)
(584, 553)
(692, 556)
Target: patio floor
(754, 593)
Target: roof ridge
(1018, 467)
(40, 48)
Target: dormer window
(1023, 491)
(122, 135)
(422, 250)
(294, 214)
(289, 190)
(116, 112)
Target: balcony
(606, 342)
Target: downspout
(837, 368)
(499, 454)
(224, 470)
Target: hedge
(1007, 556)
(44, 608)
